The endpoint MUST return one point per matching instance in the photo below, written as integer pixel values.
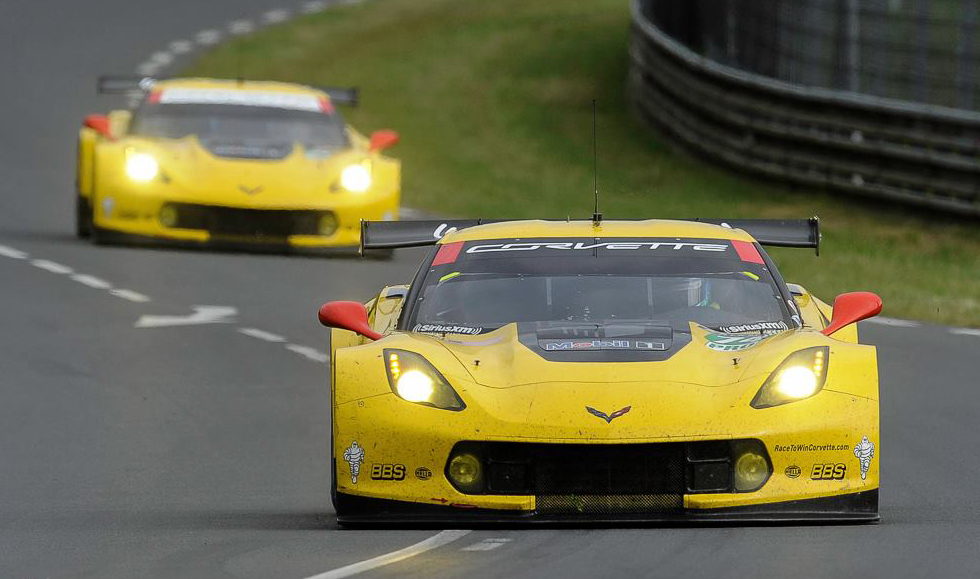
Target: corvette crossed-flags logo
(607, 417)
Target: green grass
(493, 102)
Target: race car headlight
(141, 167)
(414, 379)
(356, 178)
(801, 375)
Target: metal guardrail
(915, 153)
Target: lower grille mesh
(608, 504)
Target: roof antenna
(596, 216)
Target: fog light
(168, 216)
(751, 471)
(327, 224)
(466, 473)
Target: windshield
(476, 287)
(236, 128)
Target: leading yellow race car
(232, 163)
(603, 371)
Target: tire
(83, 217)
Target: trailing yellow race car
(221, 162)
(603, 371)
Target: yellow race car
(604, 371)
(231, 163)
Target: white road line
(12, 253)
(262, 335)
(91, 281)
(241, 27)
(275, 16)
(181, 46)
(51, 266)
(487, 545)
(130, 295)
(965, 331)
(882, 320)
(208, 37)
(201, 315)
(147, 68)
(308, 352)
(161, 58)
(434, 542)
(314, 7)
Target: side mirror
(347, 316)
(853, 307)
(99, 124)
(383, 139)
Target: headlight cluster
(414, 379)
(801, 375)
(141, 167)
(356, 178)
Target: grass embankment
(493, 102)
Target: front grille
(230, 221)
(575, 469)
(607, 504)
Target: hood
(254, 177)
(693, 389)
(525, 354)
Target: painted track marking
(12, 253)
(201, 315)
(91, 281)
(262, 335)
(486, 545)
(434, 542)
(965, 331)
(882, 320)
(130, 295)
(308, 352)
(51, 266)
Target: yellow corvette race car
(221, 162)
(601, 371)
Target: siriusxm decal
(445, 329)
(766, 327)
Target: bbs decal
(828, 471)
(387, 471)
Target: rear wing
(135, 85)
(393, 234)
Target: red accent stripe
(448, 253)
(326, 106)
(747, 252)
(154, 97)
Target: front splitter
(860, 507)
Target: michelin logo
(864, 451)
(354, 455)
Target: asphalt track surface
(200, 451)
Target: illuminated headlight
(801, 375)
(414, 379)
(141, 167)
(356, 178)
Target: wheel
(83, 217)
